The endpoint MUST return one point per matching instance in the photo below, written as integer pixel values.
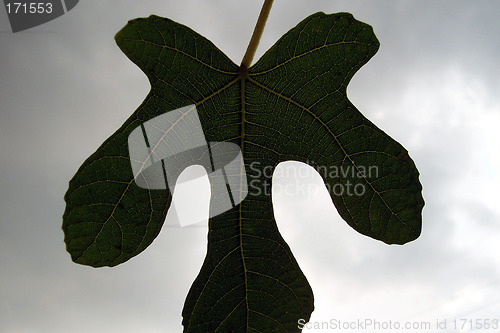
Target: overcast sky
(434, 86)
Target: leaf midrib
(243, 78)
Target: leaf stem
(257, 33)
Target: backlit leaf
(291, 105)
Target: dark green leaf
(291, 105)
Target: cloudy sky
(434, 85)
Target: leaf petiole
(257, 33)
